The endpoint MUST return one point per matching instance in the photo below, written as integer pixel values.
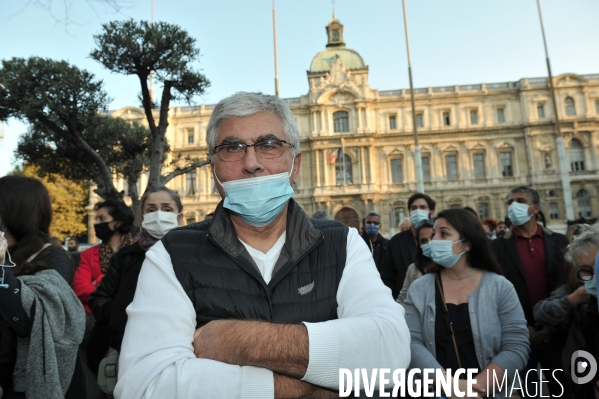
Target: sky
(452, 42)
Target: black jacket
(115, 292)
(398, 257)
(506, 250)
(384, 243)
(222, 280)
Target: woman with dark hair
(161, 212)
(114, 220)
(422, 257)
(41, 320)
(463, 313)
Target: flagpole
(417, 154)
(274, 27)
(151, 72)
(561, 148)
(344, 170)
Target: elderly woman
(463, 314)
(566, 310)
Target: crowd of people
(261, 301)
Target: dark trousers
(550, 359)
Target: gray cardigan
(496, 317)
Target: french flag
(337, 154)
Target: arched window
(341, 121)
(343, 170)
(576, 156)
(570, 108)
(584, 203)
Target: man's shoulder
(402, 237)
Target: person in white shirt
(260, 301)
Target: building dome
(336, 50)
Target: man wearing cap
(261, 301)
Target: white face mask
(158, 223)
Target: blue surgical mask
(590, 286)
(518, 213)
(372, 229)
(418, 216)
(442, 253)
(258, 200)
(426, 250)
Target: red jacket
(88, 275)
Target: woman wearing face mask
(463, 313)
(113, 224)
(161, 212)
(41, 320)
(566, 312)
(422, 257)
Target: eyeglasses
(267, 149)
(371, 222)
(425, 223)
(585, 274)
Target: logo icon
(581, 363)
(306, 288)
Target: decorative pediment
(568, 79)
(129, 113)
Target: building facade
(477, 141)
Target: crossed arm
(251, 359)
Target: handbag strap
(455, 345)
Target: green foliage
(68, 199)
(136, 48)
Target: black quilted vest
(222, 281)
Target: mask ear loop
(2, 285)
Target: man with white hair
(260, 301)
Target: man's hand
(282, 348)
(579, 296)
(288, 388)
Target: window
(500, 115)
(455, 206)
(483, 210)
(473, 116)
(392, 122)
(190, 220)
(506, 163)
(343, 170)
(420, 119)
(597, 107)
(190, 136)
(479, 166)
(451, 166)
(584, 203)
(400, 215)
(576, 156)
(396, 170)
(191, 183)
(553, 211)
(570, 109)
(341, 121)
(426, 168)
(446, 120)
(541, 110)
(335, 35)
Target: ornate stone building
(477, 141)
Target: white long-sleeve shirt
(157, 358)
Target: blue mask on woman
(426, 250)
(442, 253)
(258, 200)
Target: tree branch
(181, 171)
